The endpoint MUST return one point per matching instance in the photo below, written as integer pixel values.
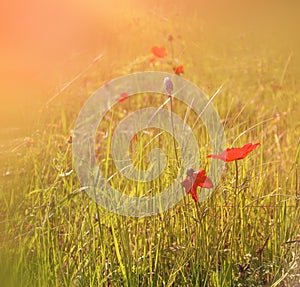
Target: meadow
(246, 234)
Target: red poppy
(70, 139)
(277, 87)
(231, 154)
(159, 52)
(170, 38)
(195, 179)
(133, 142)
(178, 70)
(152, 60)
(135, 137)
(123, 97)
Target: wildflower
(231, 154)
(70, 139)
(170, 38)
(178, 70)
(195, 179)
(28, 141)
(133, 143)
(277, 87)
(159, 52)
(135, 138)
(123, 97)
(152, 60)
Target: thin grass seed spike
(168, 84)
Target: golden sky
(38, 36)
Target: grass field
(246, 234)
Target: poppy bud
(190, 171)
(168, 86)
(170, 38)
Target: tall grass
(244, 235)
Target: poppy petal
(198, 178)
(187, 184)
(193, 193)
(202, 180)
(231, 154)
(178, 70)
(159, 52)
(123, 97)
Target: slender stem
(198, 211)
(233, 241)
(172, 51)
(173, 128)
(236, 177)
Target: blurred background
(46, 44)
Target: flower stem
(172, 51)
(233, 236)
(236, 177)
(173, 128)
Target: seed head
(168, 86)
(190, 171)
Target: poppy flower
(231, 154)
(170, 38)
(277, 87)
(178, 70)
(70, 139)
(159, 52)
(123, 97)
(133, 142)
(195, 179)
(135, 137)
(152, 60)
